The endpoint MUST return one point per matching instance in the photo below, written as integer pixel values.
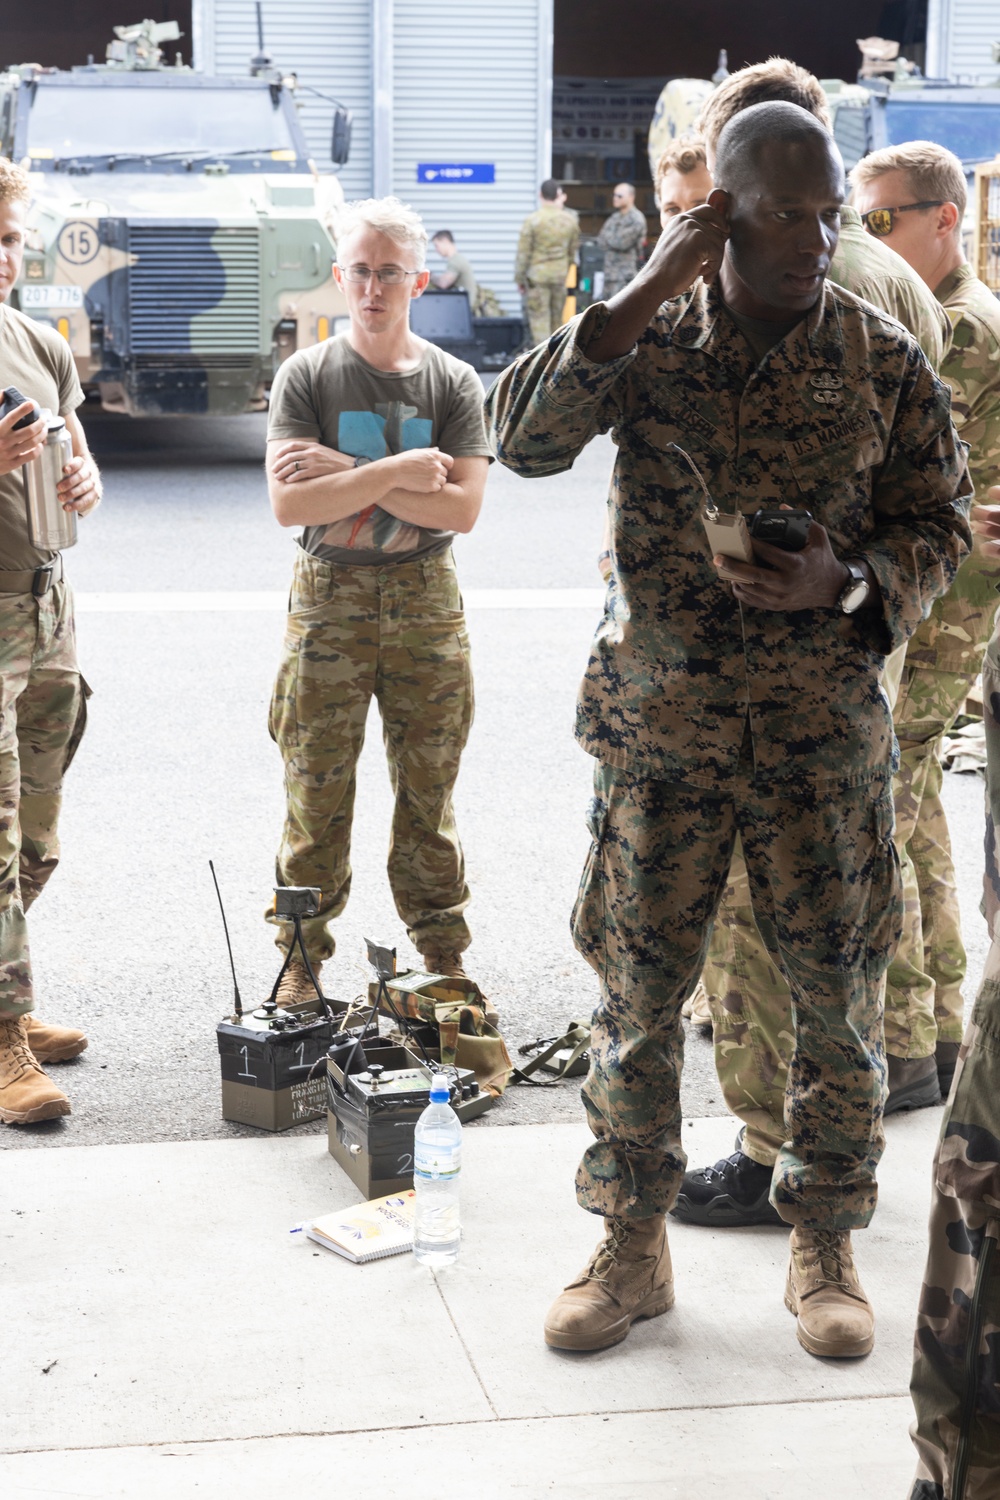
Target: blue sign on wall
(450, 171)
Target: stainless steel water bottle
(50, 528)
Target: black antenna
(262, 61)
(225, 924)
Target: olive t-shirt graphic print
(328, 393)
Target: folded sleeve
(546, 407)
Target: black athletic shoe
(732, 1193)
(913, 1084)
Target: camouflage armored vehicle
(179, 235)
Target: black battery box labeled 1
(273, 1065)
(376, 1091)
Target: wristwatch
(855, 592)
(361, 460)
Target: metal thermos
(50, 528)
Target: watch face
(854, 596)
(359, 461)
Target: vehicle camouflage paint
(180, 238)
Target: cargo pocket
(79, 724)
(968, 1160)
(885, 894)
(588, 918)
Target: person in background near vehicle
(747, 994)
(376, 448)
(457, 274)
(546, 248)
(621, 238)
(955, 1375)
(912, 197)
(753, 705)
(682, 179)
(43, 694)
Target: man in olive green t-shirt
(377, 451)
(40, 683)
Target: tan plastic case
(728, 537)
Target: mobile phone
(787, 529)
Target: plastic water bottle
(437, 1163)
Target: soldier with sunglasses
(912, 198)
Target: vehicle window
(75, 122)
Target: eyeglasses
(388, 275)
(880, 221)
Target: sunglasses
(881, 221)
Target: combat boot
(913, 1083)
(835, 1318)
(629, 1276)
(695, 1009)
(26, 1094)
(296, 990)
(53, 1043)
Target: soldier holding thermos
(43, 694)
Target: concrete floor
(180, 1343)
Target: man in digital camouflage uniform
(956, 1365)
(42, 710)
(621, 237)
(744, 995)
(546, 248)
(754, 706)
(376, 448)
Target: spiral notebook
(369, 1231)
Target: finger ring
(297, 466)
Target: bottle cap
(440, 1089)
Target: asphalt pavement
(179, 578)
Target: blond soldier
(682, 179)
(546, 248)
(912, 197)
(376, 449)
(748, 996)
(41, 689)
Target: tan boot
(54, 1043)
(449, 963)
(296, 992)
(695, 1009)
(26, 1094)
(629, 1276)
(835, 1318)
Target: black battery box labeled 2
(376, 1092)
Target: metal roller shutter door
(471, 86)
(326, 43)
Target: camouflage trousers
(544, 303)
(396, 634)
(747, 991)
(42, 718)
(825, 881)
(956, 1365)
